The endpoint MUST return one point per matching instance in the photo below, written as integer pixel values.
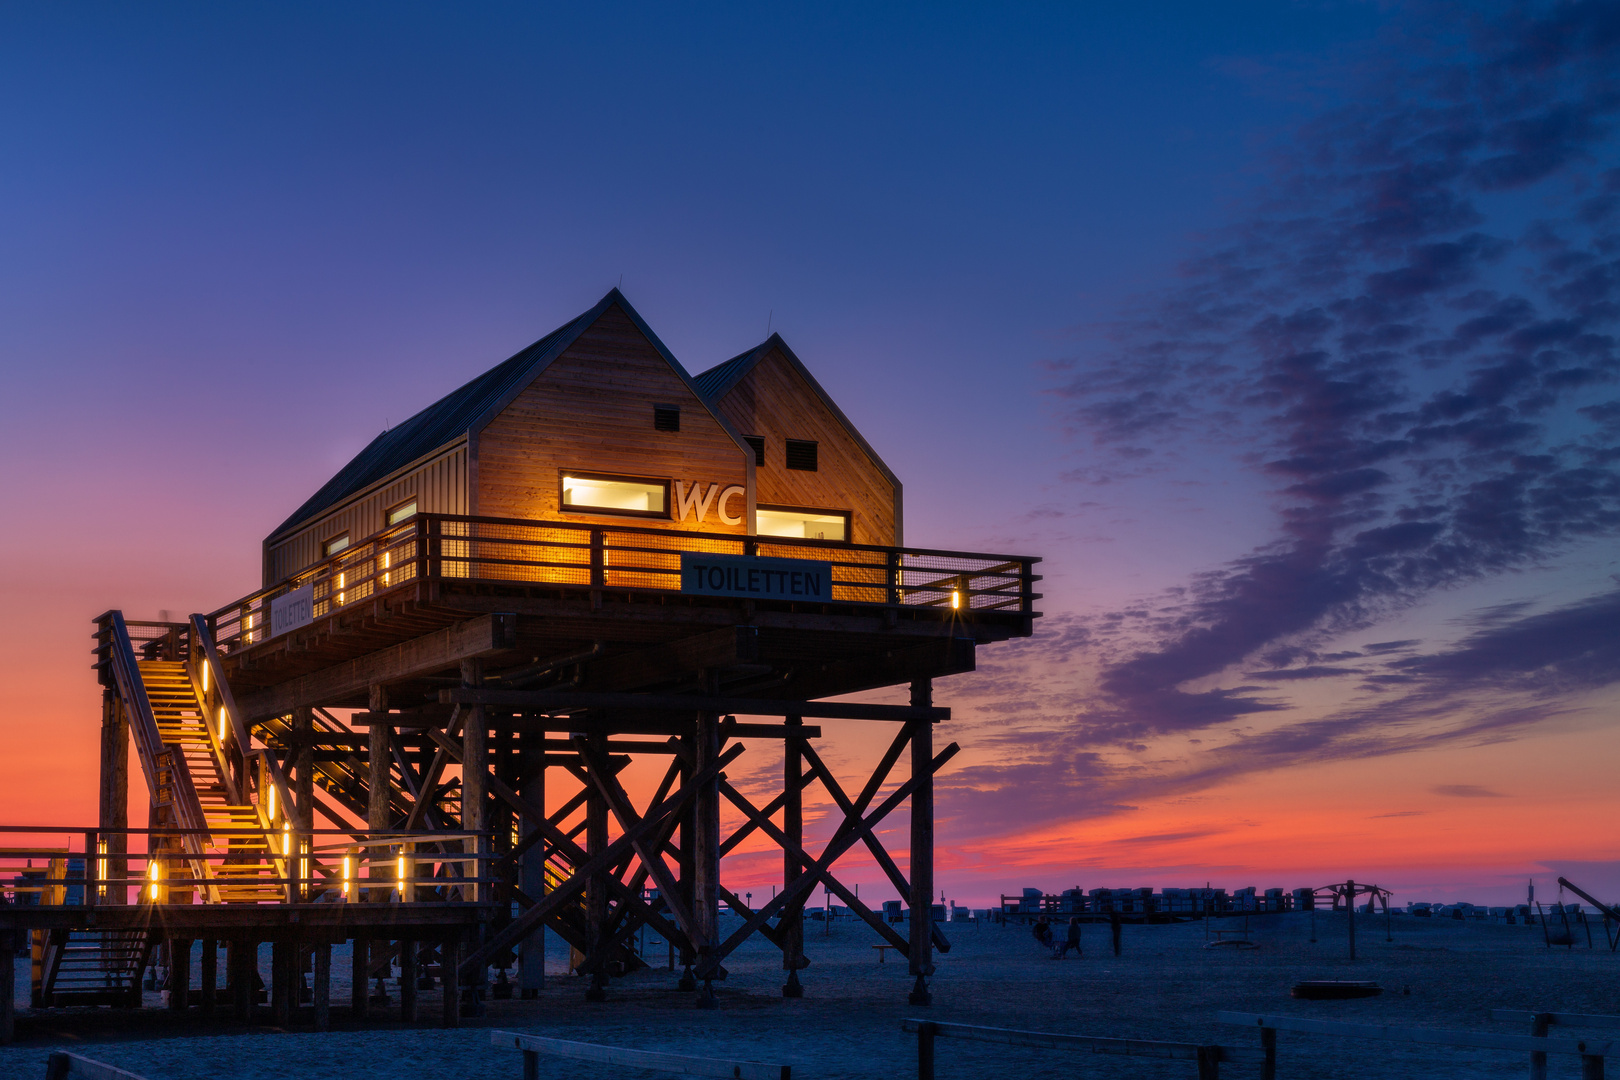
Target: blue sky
(238, 240)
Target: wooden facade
(504, 656)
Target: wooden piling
(407, 981)
(280, 982)
(1350, 901)
(359, 979)
(922, 846)
(532, 869)
(321, 975)
(8, 987)
(791, 926)
(706, 840)
(179, 974)
(449, 960)
(210, 977)
(242, 961)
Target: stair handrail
(195, 845)
(149, 742)
(203, 653)
(132, 691)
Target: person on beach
(1043, 932)
(1070, 942)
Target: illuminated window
(401, 512)
(758, 444)
(803, 524)
(801, 455)
(615, 495)
(334, 545)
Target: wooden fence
(1590, 1051)
(1208, 1056)
(533, 1046)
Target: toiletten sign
(759, 578)
(292, 610)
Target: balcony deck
(537, 593)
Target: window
(758, 444)
(803, 524)
(400, 513)
(334, 545)
(801, 455)
(666, 418)
(583, 493)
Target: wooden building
(582, 557)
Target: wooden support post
(791, 925)
(1350, 911)
(532, 880)
(407, 981)
(303, 792)
(596, 887)
(1268, 1043)
(449, 960)
(925, 1050)
(114, 812)
(280, 962)
(210, 976)
(242, 960)
(179, 974)
(687, 858)
(359, 979)
(1591, 1067)
(322, 977)
(922, 846)
(706, 845)
(474, 765)
(1209, 1063)
(531, 1065)
(1538, 1058)
(8, 986)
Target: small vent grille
(666, 418)
(801, 455)
(759, 448)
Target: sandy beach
(1165, 985)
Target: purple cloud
(1413, 337)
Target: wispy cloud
(1412, 340)
(1466, 791)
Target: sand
(1166, 985)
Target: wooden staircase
(181, 726)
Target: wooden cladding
(588, 410)
(781, 410)
(438, 486)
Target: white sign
(291, 610)
(695, 501)
(743, 575)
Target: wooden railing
(448, 548)
(66, 866)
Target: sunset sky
(1284, 333)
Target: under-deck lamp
(286, 839)
(154, 874)
(221, 722)
(399, 875)
(272, 804)
(101, 868)
(205, 676)
(956, 598)
(348, 874)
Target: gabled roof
(715, 383)
(467, 410)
